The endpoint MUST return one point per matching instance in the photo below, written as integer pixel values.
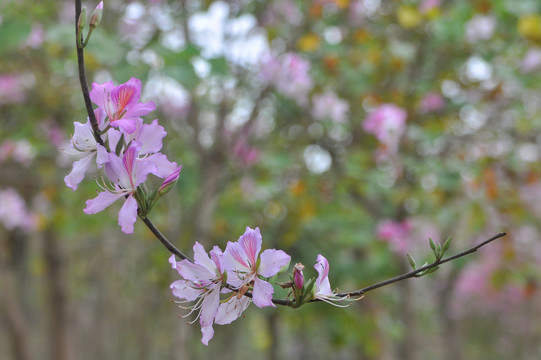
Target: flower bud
(298, 278)
(95, 18)
(169, 182)
(82, 19)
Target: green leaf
(446, 244)
(218, 66)
(411, 261)
(432, 245)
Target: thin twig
(83, 80)
(172, 249)
(414, 273)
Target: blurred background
(352, 128)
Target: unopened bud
(82, 19)
(95, 18)
(169, 182)
(298, 278)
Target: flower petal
(100, 202)
(251, 243)
(150, 137)
(208, 333)
(322, 286)
(201, 257)
(272, 261)
(164, 167)
(77, 174)
(231, 310)
(127, 215)
(183, 290)
(210, 305)
(262, 294)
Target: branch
(170, 247)
(83, 80)
(414, 273)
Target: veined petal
(78, 171)
(208, 333)
(139, 109)
(164, 167)
(195, 273)
(217, 257)
(127, 215)
(126, 95)
(231, 310)
(201, 257)
(262, 294)
(235, 258)
(83, 137)
(183, 290)
(100, 93)
(100, 202)
(210, 305)
(117, 172)
(251, 243)
(150, 137)
(272, 261)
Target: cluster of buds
(95, 20)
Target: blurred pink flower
(432, 102)
(12, 89)
(427, 5)
(20, 151)
(388, 124)
(531, 61)
(244, 153)
(329, 106)
(35, 39)
(480, 27)
(290, 75)
(14, 213)
(397, 234)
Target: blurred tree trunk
(452, 349)
(56, 282)
(14, 304)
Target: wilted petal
(77, 174)
(208, 333)
(262, 294)
(183, 290)
(272, 261)
(127, 215)
(231, 310)
(100, 202)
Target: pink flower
(244, 268)
(322, 287)
(121, 103)
(202, 281)
(14, 213)
(427, 5)
(126, 173)
(388, 124)
(480, 27)
(290, 75)
(432, 102)
(13, 88)
(531, 61)
(397, 234)
(329, 106)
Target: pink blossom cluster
(432, 102)
(13, 88)
(397, 234)
(387, 123)
(20, 151)
(131, 152)
(289, 75)
(14, 212)
(242, 267)
(329, 106)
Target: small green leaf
(446, 244)
(432, 245)
(119, 145)
(411, 261)
(438, 251)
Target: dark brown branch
(170, 247)
(414, 273)
(83, 80)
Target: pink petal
(231, 310)
(251, 244)
(262, 294)
(183, 290)
(235, 259)
(164, 167)
(194, 272)
(272, 261)
(99, 93)
(151, 137)
(201, 258)
(129, 125)
(208, 333)
(322, 283)
(77, 174)
(209, 308)
(100, 202)
(127, 215)
(173, 261)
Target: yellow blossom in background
(529, 26)
(309, 42)
(408, 17)
(342, 4)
